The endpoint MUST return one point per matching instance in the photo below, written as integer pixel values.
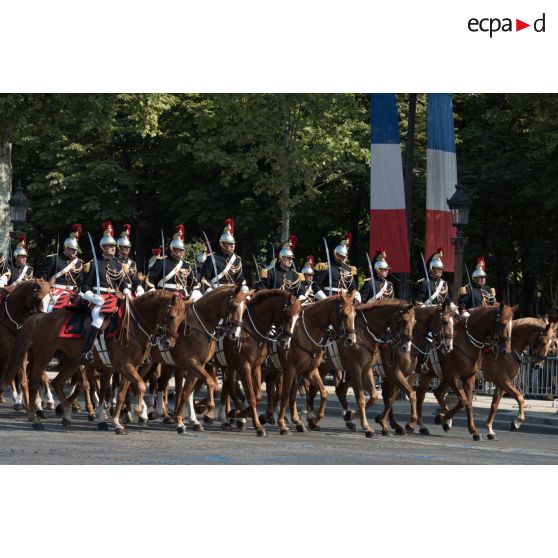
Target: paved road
(159, 443)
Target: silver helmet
(379, 261)
(343, 247)
(21, 247)
(308, 268)
(201, 257)
(108, 235)
(177, 242)
(436, 260)
(228, 232)
(72, 240)
(124, 238)
(288, 247)
(479, 268)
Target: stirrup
(86, 358)
(424, 367)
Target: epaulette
(87, 266)
(205, 282)
(353, 270)
(263, 273)
(141, 276)
(51, 255)
(463, 290)
(321, 266)
(125, 267)
(367, 279)
(301, 276)
(419, 281)
(492, 291)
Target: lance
(212, 259)
(426, 275)
(328, 267)
(95, 263)
(257, 267)
(371, 275)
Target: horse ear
(514, 308)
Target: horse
(326, 320)
(486, 329)
(150, 318)
(434, 324)
(17, 303)
(269, 308)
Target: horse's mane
(264, 294)
(384, 302)
(155, 294)
(529, 322)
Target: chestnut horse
(488, 328)
(152, 317)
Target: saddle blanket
(77, 323)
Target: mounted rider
(156, 255)
(172, 272)
(17, 271)
(382, 287)
(123, 256)
(342, 274)
(64, 271)
(282, 275)
(223, 266)
(113, 279)
(310, 290)
(478, 293)
(436, 290)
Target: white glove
(97, 300)
(320, 295)
(88, 295)
(358, 298)
(139, 290)
(301, 297)
(3, 281)
(195, 294)
(151, 289)
(244, 288)
(465, 314)
(128, 292)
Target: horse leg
(424, 383)
(356, 380)
(34, 381)
(410, 392)
(286, 388)
(469, 388)
(445, 417)
(440, 393)
(246, 378)
(498, 392)
(18, 396)
(369, 385)
(120, 398)
(67, 367)
(518, 396)
(341, 390)
(48, 400)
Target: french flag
(441, 177)
(388, 219)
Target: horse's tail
(17, 358)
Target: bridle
(160, 330)
(440, 339)
(35, 303)
(329, 332)
(493, 341)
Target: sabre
(212, 259)
(163, 254)
(272, 255)
(426, 275)
(257, 268)
(470, 284)
(328, 267)
(95, 262)
(371, 275)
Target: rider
(224, 262)
(438, 292)
(17, 272)
(380, 271)
(130, 266)
(341, 273)
(282, 275)
(64, 271)
(478, 293)
(156, 255)
(173, 273)
(112, 278)
(310, 290)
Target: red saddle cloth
(78, 322)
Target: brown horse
(268, 308)
(332, 318)
(531, 334)
(437, 323)
(150, 318)
(487, 329)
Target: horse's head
(543, 342)
(31, 297)
(441, 326)
(503, 326)
(235, 311)
(289, 315)
(402, 324)
(344, 318)
(170, 316)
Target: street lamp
(19, 205)
(460, 205)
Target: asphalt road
(334, 444)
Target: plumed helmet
(379, 261)
(435, 260)
(479, 268)
(288, 247)
(72, 240)
(156, 256)
(228, 232)
(343, 247)
(308, 268)
(21, 246)
(177, 242)
(108, 234)
(202, 256)
(124, 238)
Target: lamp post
(19, 205)
(460, 205)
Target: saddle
(78, 322)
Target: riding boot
(86, 352)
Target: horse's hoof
(120, 431)
(181, 429)
(38, 426)
(207, 420)
(59, 411)
(142, 421)
(102, 426)
(424, 431)
(377, 419)
(168, 420)
(18, 407)
(348, 416)
(312, 424)
(370, 434)
(351, 426)
(300, 428)
(262, 419)
(261, 433)
(240, 425)
(399, 430)
(91, 418)
(226, 426)
(513, 426)
(41, 414)
(198, 427)
(492, 437)
(477, 437)
(446, 427)
(271, 420)
(438, 419)
(409, 429)
(66, 423)
(386, 432)
(152, 415)
(285, 432)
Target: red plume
(310, 260)
(380, 251)
(230, 222)
(481, 262)
(180, 229)
(22, 238)
(439, 249)
(349, 238)
(293, 240)
(107, 225)
(156, 251)
(76, 227)
(126, 227)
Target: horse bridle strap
(18, 326)
(210, 335)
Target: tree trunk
(5, 194)
(285, 201)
